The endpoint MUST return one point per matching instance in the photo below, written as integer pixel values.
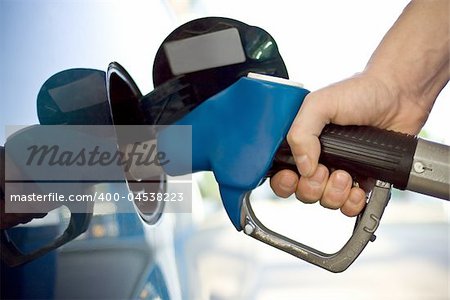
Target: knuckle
(306, 198)
(280, 192)
(279, 185)
(355, 204)
(332, 201)
(349, 211)
(309, 193)
(294, 136)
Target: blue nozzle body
(235, 134)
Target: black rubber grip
(362, 151)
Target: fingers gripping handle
(336, 262)
(360, 150)
(370, 152)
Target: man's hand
(396, 91)
(343, 103)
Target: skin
(396, 91)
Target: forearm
(413, 57)
(396, 91)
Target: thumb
(339, 103)
(303, 136)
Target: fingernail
(287, 183)
(318, 178)
(303, 165)
(340, 182)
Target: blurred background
(321, 42)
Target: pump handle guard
(365, 227)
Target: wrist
(405, 107)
